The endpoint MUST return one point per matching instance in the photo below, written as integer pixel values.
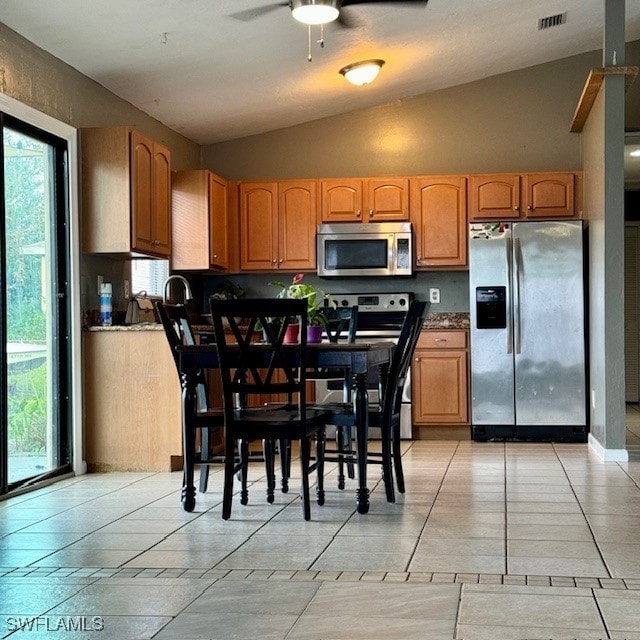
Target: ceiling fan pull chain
(321, 41)
(309, 58)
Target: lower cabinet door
(439, 386)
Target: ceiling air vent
(552, 21)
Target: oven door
(332, 391)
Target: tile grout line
(261, 575)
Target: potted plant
(317, 302)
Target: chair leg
(340, 448)
(244, 471)
(397, 458)
(305, 461)
(285, 463)
(269, 453)
(351, 470)
(229, 467)
(204, 455)
(320, 447)
(387, 474)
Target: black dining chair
(252, 370)
(386, 415)
(342, 324)
(209, 421)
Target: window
(149, 276)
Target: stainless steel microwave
(365, 249)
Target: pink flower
(298, 278)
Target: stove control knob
(403, 302)
(344, 302)
(392, 302)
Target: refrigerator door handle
(508, 258)
(516, 295)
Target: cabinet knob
(515, 208)
(281, 261)
(529, 207)
(371, 213)
(215, 255)
(358, 213)
(274, 261)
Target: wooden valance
(591, 88)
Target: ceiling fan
(316, 12)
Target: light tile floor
(492, 540)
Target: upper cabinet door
(151, 196)
(258, 226)
(161, 198)
(218, 223)
(297, 221)
(494, 197)
(341, 200)
(549, 195)
(387, 200)
(439, 218)
(142, 169)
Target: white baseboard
(608, 455)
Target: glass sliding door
(33, 306)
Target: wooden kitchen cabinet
(440, 378)
(439, 218)
(527, 196)
(199, 221)
(278, 223)
(365, 200)
(126, 193)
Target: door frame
(31, 116)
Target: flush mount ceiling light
(361, 73)
(315, 11)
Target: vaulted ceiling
(212, 76)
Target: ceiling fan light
(315, 11)
(361, 73)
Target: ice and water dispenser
(491, 307)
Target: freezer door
(492, 377)
(549, 323)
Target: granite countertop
(446, 320)
(434, 320)
(142, 326)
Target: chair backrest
(402, 355)
(179, 332)
(341, 321)
(260, 367)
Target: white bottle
(105, 304)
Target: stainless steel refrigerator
(527, 331)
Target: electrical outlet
(434, 296)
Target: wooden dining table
(359, 358)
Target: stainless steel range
(380, 317)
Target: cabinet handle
(440, 339)
(274, 261)
(358, 213)
(281, 260)
(371, 213)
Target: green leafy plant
(317, 300)
(228, 290)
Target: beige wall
(38, 79)
(516, 121)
